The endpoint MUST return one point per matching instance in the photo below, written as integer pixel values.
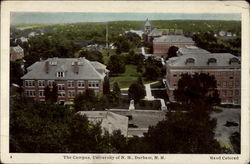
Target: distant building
(109, 121)
(225, 67)
(16, 53)
(147, 27)
(72, 76)
(163, 43)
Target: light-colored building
(16, 53)
(163, 43)
(225, 67)
(109, 121)
(72, 76)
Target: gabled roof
(86, 70)
(109, 121)
(173, 39)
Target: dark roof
(173, 39)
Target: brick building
(16, 53)
(225, 67)
(72, 76)
(163, 43)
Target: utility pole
(107, 31)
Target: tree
(172, 52)
(116, 92)
(195, 88)
(29, 118)
(116, 64)
(16, 73)
(106, 86)
(51, 93)
(136, 92)
(181, 133)
(91, 55)
(152, 72)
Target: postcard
(124, 82)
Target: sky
(64, 17)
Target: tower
(147, 27)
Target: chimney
(76, 67)
(47, 67)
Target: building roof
(204, 60)
(16, 49)
(155, 32)
(109, 121)
(173, 39)
(191, 50)
(86, 70)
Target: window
(80, 92)
(231, 77)
(41, 83)
(230, 84)
(230, 93)
(224, 84)
(175, 75)
(237, 83)
(60, 87)
(80, 84)
(41, 93)
(61, 94)
(71, 93)
(237, 92)
(50, 83)
(93, 84)
(218, 84)
(70, 84)
(30, 93)
(60, 74)
(29, 83)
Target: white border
(122, 6)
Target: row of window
(223, 84)
(32, 93)
(230, 74)
(70, 84)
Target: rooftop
(204, 59)
(173, 39)
(109, 121)
(147, 23)
(48, 69)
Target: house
(225, 67)
(109, 121)
(163, 43)
(72, 76)
(16, 53)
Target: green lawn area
(127, 78)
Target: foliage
(28, 119)
(209, 42)
(136, 92)
(116, 65)
(177, 135)
(126, 42)
(91, 55)
(197, 88)
(106, 86)
(16, 73)
(152, 72)
(89, 101)
(51, 94)
(235, 141)
(172, 52)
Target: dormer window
(53, 62)
(60, 74)
(190, 61)
(234, 61)
(211, 61)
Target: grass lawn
(127, 78)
